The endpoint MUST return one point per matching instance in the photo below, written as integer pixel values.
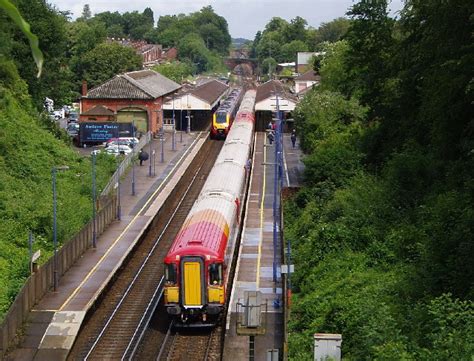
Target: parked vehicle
(130, 141)
(73, 117)
(72, 129)
(118, 149)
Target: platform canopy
(269, 92)
(202, 97)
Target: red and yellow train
(197, 263)
(224, 116)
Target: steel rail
(132, 283)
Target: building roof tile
(270, 88)
(310, 75)
(210, 91)
(142, 84)
(99, 110)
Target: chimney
(84, 88)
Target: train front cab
(220, 125)
(194, 290)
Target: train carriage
(196, 265)
(224, 116)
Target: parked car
(73, 117)
(58, 114)
(130, 141)
(72, 129)
(117, 149)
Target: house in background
(151, 54)
(136, 97)
(306, 81)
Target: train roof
(231, 101)
(204, 233)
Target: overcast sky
(245, 17)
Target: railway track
(115, 328)
(192, 345)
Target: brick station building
(135, 96)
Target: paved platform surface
(55, 321)
(255, 269)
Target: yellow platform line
(259, 257)
(92, 271)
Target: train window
(221, 118)
(170, 273)
(215, 274)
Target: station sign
(99, 132)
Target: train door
(192, 281)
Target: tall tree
(106, 60)
(86, 12)
(331, 31)
(50, 27)
(370, 52)
(295, 30)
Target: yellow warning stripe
(259, 257)
(92, 271)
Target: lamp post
(54, 170)
(94, 231)
(162, 144)
(173, 143)
(149, 154)
(133, 160)
(181, 123)
(162, 132)
(119, 207)
(188, 128)
(277, 187)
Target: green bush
(28, 152)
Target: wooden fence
(42, 280)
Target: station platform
(257, 254)
(55, 321)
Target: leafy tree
(213, 29)
(289, 50)
(193, 48)
(370, 45)
(256, 41)
(295, 30)
(114, 23)
(332, 67)
(83, 37)
(86, 12)
(106, 60)
(149, 17)
(269, 66)
(176, 71)
(50, 28)
(269, 46)
(332, 31)
(14, 14)
(276, 24)
(389, 189)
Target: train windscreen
(221, 118)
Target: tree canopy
(381, 231)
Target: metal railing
(41, 281)
(144, 140)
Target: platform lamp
(133, 160)
(173, 142)
(94, 200)
(181, 122)
(54, 170)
